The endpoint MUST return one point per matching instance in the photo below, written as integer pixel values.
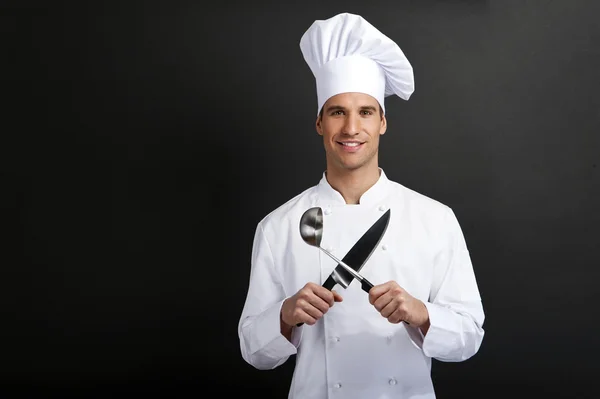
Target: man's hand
(396, 305)
(307, 306)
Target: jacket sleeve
(455, 308)
(261, 342)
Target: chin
(352, 166)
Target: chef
(424, 303)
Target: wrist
(284, 328)
(283, 322)
(282, 312)
(424, 319)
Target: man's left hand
(396, 304)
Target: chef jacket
(353, 351)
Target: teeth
(350, 144)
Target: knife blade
(359, 254)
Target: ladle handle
(366, 285)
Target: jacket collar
(329, 196)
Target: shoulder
(435, 219)
(417, 200)
(421, 208)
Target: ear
(383, 126)
(318, 125)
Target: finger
(388, 309)
(397, 316)
(312, 291)
(321, 304)
(313, 312)
(377, 291)
(300, 316)
(305, 318)
(383, 301)
(314, 306)
(324, 294)
(336, 296)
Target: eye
(366, 112)
(337, 112)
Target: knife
(359, 254)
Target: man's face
(351, 124)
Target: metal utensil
(359, 254)
(311, 230)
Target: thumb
(337, 297)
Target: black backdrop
(142, 142)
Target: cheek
(327, 127)
(377, 126)
(328, 131)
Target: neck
(352, 184)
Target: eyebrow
(368, 108)
(335, 107)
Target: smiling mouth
(351, 144)
(350, 147)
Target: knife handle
(329, 283)
(366, 285)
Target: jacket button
(384, 247)
(337, 339)
(327, 211)
(338, 385)
(392, 381)
(381, 208)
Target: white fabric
(347, 54)
(353, 352)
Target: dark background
(143, 141)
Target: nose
(351, 124)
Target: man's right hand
(307, 306)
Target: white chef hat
(347, 54)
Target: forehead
(351, 100)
